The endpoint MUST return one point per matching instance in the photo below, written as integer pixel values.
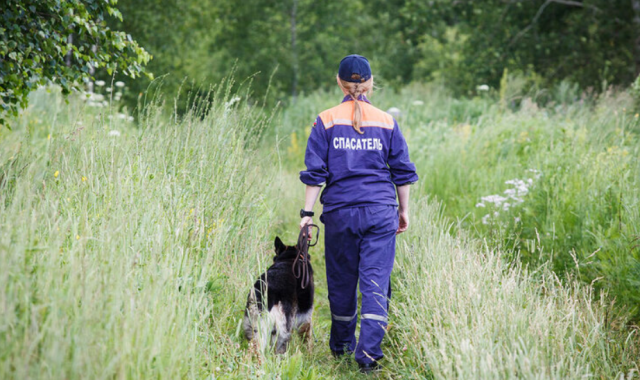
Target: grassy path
(316, 363)
(464, 309)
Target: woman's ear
(279, 246)
(344, 90)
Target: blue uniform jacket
(358, 170)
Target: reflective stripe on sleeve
(374, 317)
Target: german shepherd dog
(289, 306)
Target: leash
(301, 264)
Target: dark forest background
(297, 44)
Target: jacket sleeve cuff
(312, 180)
(405, 180)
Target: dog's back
(288, 305)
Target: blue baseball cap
(354, 68)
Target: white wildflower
(122, 116)
(536, 173)
(395, 112)
(418, 103)
(495, 199)
(485, 219)
(119, 84)
(517, 200)
(480, 204)
(114, 132)
(516, 219)
(130, 118)
(506, 206)
(100, 83)
(109, 89)
(496, 214)
(97, 97)
(483, 87)
(232, 101)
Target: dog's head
(284, 252)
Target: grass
(131, 256)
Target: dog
(289, 307)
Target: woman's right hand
(403, 222)
(306, 220)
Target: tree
(466, 42)
(62, 42)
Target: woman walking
(359, 154)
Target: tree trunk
(294, 51)
(92, 70)
(67, 59)
(636, 21)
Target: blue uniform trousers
(359, 247)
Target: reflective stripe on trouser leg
(377, 252)
(342, 259)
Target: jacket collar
(361, 97)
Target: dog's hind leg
(279, 313)
(304, 325)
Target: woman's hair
(355, 90)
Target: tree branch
(533, 22)
(541, 10)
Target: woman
(359, 154)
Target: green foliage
(210, 39)
(35, 46)
(467, 43)
(291, 48)
(294, 47)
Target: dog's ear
(279, 245)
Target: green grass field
(127, 247)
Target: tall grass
(131, 255)
(122, 255)
(463, 312)
(584, 201)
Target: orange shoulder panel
(343, 115)
(375, 117)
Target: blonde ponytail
(355, 90)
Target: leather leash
(301, 263)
